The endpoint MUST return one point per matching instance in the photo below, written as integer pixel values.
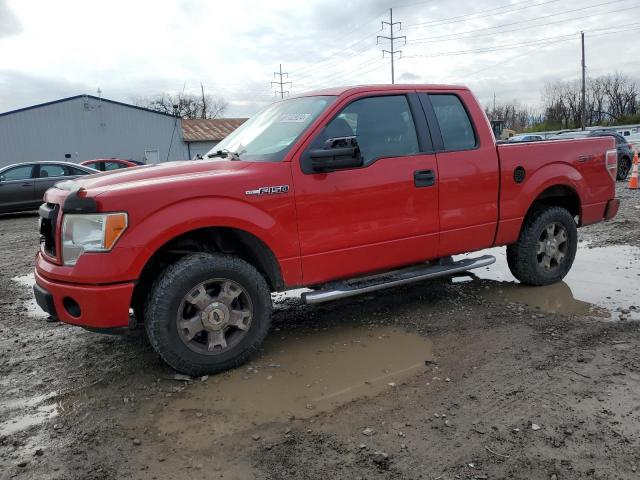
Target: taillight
(611, 162)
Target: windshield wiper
(225, 154)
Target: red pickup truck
(342, 191)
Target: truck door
(468, 171)
(380, 215)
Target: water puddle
(298, 375)
(604, 281)
(32, 309)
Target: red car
(342, 191)
(109, 164)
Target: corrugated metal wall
(201, 148)
(88, 128)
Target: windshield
(268, 136)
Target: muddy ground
(465, 378)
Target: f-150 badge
(268, 190)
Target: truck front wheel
(207, 313)
(546, 247)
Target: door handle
(27, 184)
(424, 178)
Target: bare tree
(515, 116)
(185, 105)
(610, 99)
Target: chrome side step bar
(350, 288)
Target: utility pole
(392, 52)
(280, 82)
(583, 117)
(204, 102)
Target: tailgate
(576, 163)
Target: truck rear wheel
(624, 166)
(546, 247)
(207, 313)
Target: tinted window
(17, 173)
(47, 171)
(383, 125)
(113, 166)
(455, 125)
(77, 171)
(93, 165)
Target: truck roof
(385, 87)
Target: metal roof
(84, 96)
(209, 129)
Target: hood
(134, 177)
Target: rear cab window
(455, 124)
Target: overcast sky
(53, 49)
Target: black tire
(624, 167)
(523, 258)
(167, 296)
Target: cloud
(9, 23)
(234, 47)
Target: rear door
(468, 171)
(47, 175)
(378, 216)
(16, 188)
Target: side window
(48, 170)
(92, 165)
(383, 126)
(112, 166)
(17, 173)
(455, 125)
(77, 171)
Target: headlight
(96, 232)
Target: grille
(48, 216)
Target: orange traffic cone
(633, 181)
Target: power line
(519, 22)
(281, 82)
(453, 37)
(392, 38)
(541, 42)
(481, 14)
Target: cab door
(469, 171)
(378, 216)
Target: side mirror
(338, 153)
(2, 178)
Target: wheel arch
(230, 240)
(557, 195)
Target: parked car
(22, 185)
(108, 164)
(528, 137)
(343, 191)
(623, 147)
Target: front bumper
(93, 306)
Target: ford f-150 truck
(341, 191)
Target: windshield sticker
(295, 117)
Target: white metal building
(86, 127)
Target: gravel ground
(448, 379)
